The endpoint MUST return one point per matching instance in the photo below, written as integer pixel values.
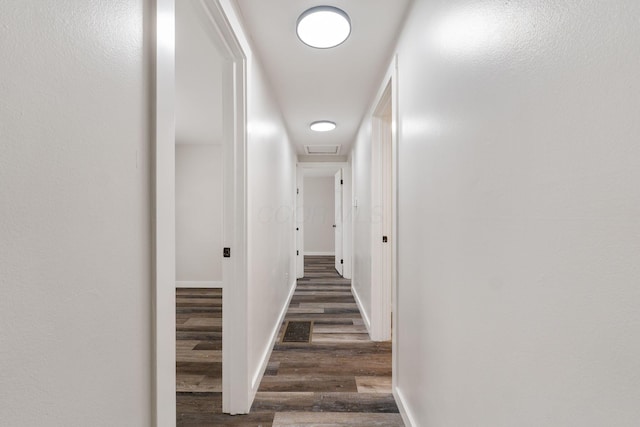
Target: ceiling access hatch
(323, 150)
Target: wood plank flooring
(198, 340)
(340, 378)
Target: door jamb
(164, 258)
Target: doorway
(231, 129)
(199, 204)
(383, 194)
(323, 214)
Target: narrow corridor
(325, 372)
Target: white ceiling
(324, 84)
(198, 78)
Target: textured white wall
(319, 215)
(75, 213)
(519, 213)
(198, 212)
(362, 217)
(198, 77)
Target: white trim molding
(319, 254)
(199, 284)
(164, 258)
(405, 412)
(365, 315)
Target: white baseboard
(198, 284)
(320, 254)
(255, 383)
(409, 420)
(365, 315)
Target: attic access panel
(322, 149)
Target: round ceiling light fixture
(322, 126)
(323, 27)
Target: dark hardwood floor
(199, 340)
(339, 378)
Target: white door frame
(338, 219)
(347, 222)
(346, 209)
(299, 254)
(236, 392)
(164, 251)
(384, 219)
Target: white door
(337, 225)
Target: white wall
(198, 213)
(75, 239)
(519, 213)
(199, 78)
(271, 184)
(319, 215)
(271, 189)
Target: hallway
(509, 131)
(338, 377)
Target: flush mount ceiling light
(322, 126)
(323, 27)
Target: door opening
(199, 103)
(323, 214)
(383, 229)
(235, 383)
